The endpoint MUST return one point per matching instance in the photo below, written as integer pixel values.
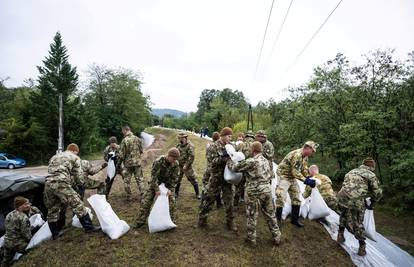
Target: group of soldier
(68, 177)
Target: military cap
(249, 134)
(182, 134)
(311, 144)
(73, 147)
(369, 162)
(261, 133)
(112, 140)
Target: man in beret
(165, 170)
(359, 184)
(294, 166)
(218, 157)
(186, 160)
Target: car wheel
(10, 166)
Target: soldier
(18, 230)
(85, 182)
(207, 173)
(218, 157)
(244, 147)
(268, 150)
(164, 170)
(359, 184)
(186, 160)
(130, 154)
(258, 191)
(58, 192)
(111, 152)
(293, 166)
(325, 188)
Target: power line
(278, 34)
(264, 38)
(313, 36)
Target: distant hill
(160, 112)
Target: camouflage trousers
(213, 188)
(239, 191)
(189, 173)
(352, 218)
(90, 184)
(206, 176)
(146, 203)
(332, 202)
(262, 200)
(285, 186)
(8, 251)
(127, 173)
(58, 196)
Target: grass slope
(188, 246)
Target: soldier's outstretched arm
(242, 166)
(375, 189)
(155, 173)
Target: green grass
(188, 246)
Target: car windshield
(10, 156)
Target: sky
(184, 46)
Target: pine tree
(55, 77)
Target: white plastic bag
(317, 206)
(109, 221)
(369, 224)
(1, 241)
(41, 235)
(36, 220)
(160, 219)
(287, 208)
(229, 175)
(111, 169)
(75, 220)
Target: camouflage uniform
(107, 156)
(258, 191)
(245, 148)
(63, 169)
(217, 183)
(359, 183)
(84, 182)
(268, 153)
(207, 173)
(130, 154)
(162, 172)
(17, 236)
(292, 167)
(325, 188)
(186, 159)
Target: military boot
(87, 224)
(202, 222)
(250, 242)
(55, 230)
(295, 216)
(177, 190)
(340, 238)
(276, 240)
(219, 204)
(197, 191)
(279, 211)
(231, 226)
(361, 251)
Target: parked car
(10, 161)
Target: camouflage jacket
(64, 167)
(186, 153)
(130, 151)
(325, 188)
(359, 183)
(18, 230)
(164, 172)
(246, 147)
(87, 169)
(214, 157)
(294, 166)
(256, 170)
(110, 149)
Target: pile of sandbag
(160, 219)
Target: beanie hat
(19, 201)
(226, 131)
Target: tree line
(351, 110)
(110, 99)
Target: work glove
(310, 182)
(104, 165)
(369, 205)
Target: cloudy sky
(184, 46)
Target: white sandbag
(287, 208)
(36, 220)
(75, 220)
(275, 167)
(1, 241)
(369, 224)
(109, 221)
(273, 186)
(304, 208)
(43, 234)
(231, 176)
(234, 155)
(159, 219)
(317, 207)
(147, 139)
(111, 169)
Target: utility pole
(250, 119)
(60, 140)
